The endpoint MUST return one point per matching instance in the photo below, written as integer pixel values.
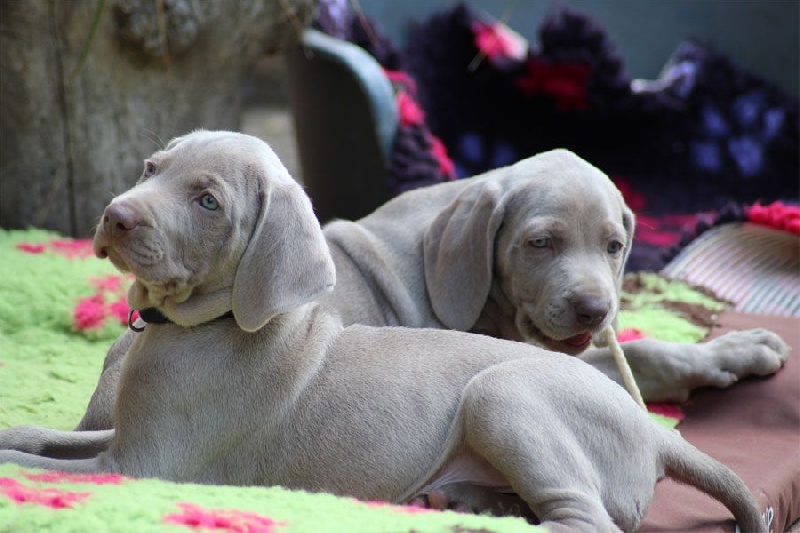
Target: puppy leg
(100, 411)
(667, 371)
(48, 463)
(55, 443)
(510, 419)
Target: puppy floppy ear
(458, 250)
(629, 223)
(287, 262)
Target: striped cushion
(756, 268)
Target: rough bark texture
(81, 107)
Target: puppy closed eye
(207, 201)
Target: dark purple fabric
(707, 134)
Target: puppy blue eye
(540, 242)
(209, 202)
(614, 247)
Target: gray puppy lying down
(532, 252)
(252, 382)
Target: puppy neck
(497, 318)
(188, 311)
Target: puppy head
(561, 253)
(548, 236)
(215, 223)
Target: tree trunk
(90, 88)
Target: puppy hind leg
(519, 434)
(27, 460)
(55, 443)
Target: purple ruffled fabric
(705, 136)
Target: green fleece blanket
(61, 308)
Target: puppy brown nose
(119, 219)
(590, 310)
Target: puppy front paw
(739, 354)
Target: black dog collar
(151, 315)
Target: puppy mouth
(138, 261)
(137, 256)
(144, 262)
(573, 345)
(117, 259)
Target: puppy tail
(685, 463)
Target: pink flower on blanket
(411, 114)
(31, 248)
(50, 497)
(119, 311)
(498, 42)
(54, 476)
(72, 248)
(232, 520)
(566, 82)
(109, 283)
(775, 215)
(629, 334)
(399, 77)
(90, 313)
(667, 410)
(446, 165)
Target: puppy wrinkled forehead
(559, 164)
(559, 183)
(224, 153)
